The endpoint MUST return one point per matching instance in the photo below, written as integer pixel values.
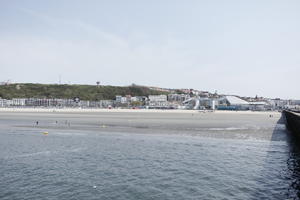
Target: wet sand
(219, 124)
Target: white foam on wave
(228, 129)
(33, 154)
(75, 150)
(67, 134)
(45, 153)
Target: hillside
(85, 92)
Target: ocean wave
(228, 129)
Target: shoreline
(218, 124)
(116, 110)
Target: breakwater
(293, 121)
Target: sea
(70, 164)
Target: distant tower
(98, 83)
(59, 80)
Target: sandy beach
(217, 124)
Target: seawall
(293, 121)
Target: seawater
(92, 165)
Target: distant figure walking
(37, 122)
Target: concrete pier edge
(292, 121)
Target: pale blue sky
(238, 47)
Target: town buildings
(171, 101)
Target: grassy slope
(85, 92)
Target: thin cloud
(77, 24)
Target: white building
(3, 102)
(278, 103)
(157, 98)
(201, 103)
(159, 101)
(233, 103)
(258, 105)
(139, 98)
(18, 102)
(118, 99)
(178, 97)
(123, 100)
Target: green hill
(85, 92)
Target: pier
(293, 121)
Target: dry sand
(218, 124)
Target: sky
(244, 48)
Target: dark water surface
(70, 164)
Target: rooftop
(233, 100)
